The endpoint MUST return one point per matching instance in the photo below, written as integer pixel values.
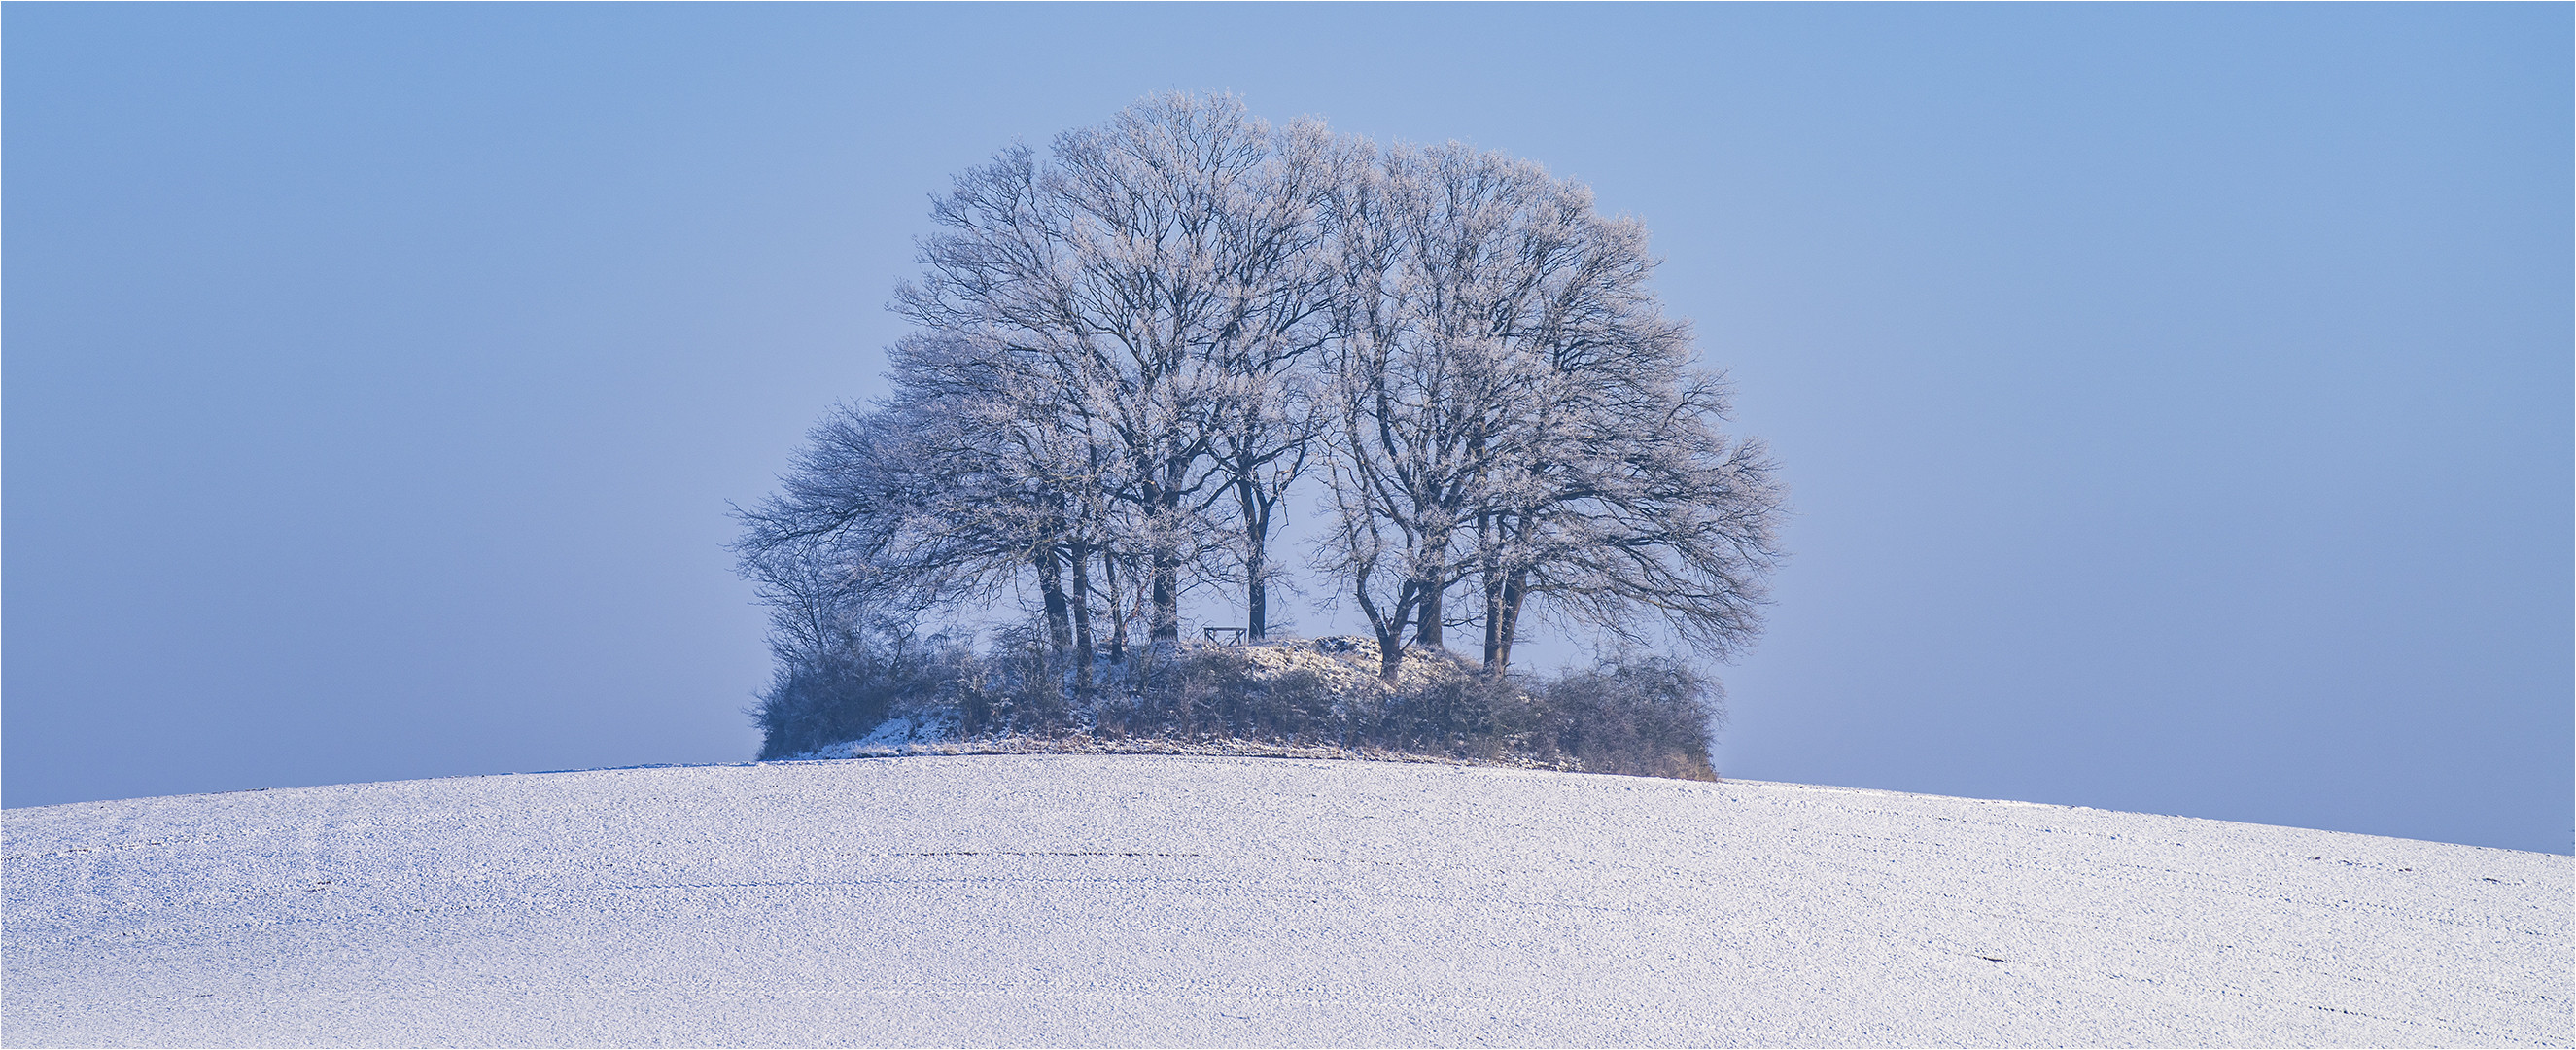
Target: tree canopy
(1132, 348)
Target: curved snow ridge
(1104, 899)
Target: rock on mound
(1079, 899)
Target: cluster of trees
(1131, 348)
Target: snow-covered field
(1083, 899)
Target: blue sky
(2175, 400)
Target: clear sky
(2175, 399)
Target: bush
(1649, 716)
(846, 693)
(1641, 715)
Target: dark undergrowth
(1638, 715)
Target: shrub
(1641, 715)
(1649, 716)
(814, 703)
(845, 693)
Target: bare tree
(1131, 347)
(1623, 496)
(1021, 463)
(1441, 251)
(1280, 283)
(1157, 274)
(1515, 408)
(904, 507)
(1651, 513)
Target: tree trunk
(1117, 612)
(1081, 619)
(1051, 584)
(1513, 596)
(1389, 628)
(1256, 559)
(1165, 628)
(1491, 576)
(1427, 626)
(1497, 634)
(1257, 598)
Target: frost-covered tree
(1514, 409)
(1158, 272)
(1280, 288)
(903, 507)
(1420, 383)
(1022, 459)
(1643, 513)
(1131, 346)
(1622, 499)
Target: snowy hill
(1084, 899)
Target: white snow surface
(1151, 900)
